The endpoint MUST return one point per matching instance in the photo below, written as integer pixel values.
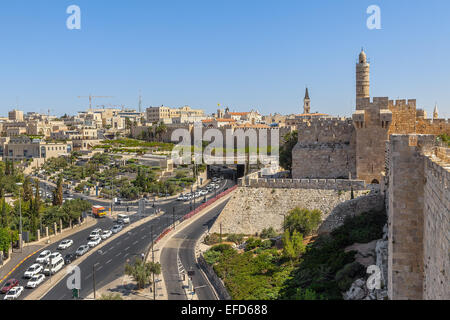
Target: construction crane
(91, 97)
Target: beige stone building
(15, 115)
(23, 148)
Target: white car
(95, 234)
(82, 250)
(94, 242)
(117, 228)
(106, 234)
(43, 256)
(204, 192)
(54, 255)
(35, 281)
(14, 293)
(65, 244)
(33, 270)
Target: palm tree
(142, 271)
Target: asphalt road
(183, 245)
(109, 264)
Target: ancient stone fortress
(388, 155)
(355, 147)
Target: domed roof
(362, 57)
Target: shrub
(303, 221)
(211, 239)
(236, 238)
(268, 233)
(252, 243)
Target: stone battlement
(253, 181)
(403, 104)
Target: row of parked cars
(49, 263)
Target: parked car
(82, 250)
(32, 271)
(69, 258)
(117, 228)
(43, 256)
(14, 293)
(35, 281)
(11, 283)
(65, 244)
(106, 234)
(94, 242)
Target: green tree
(5, 219)
(289, 142)
(58, 193)
(27, 190)
(303, 221)
(5, 240)
(142, 271)
(293, 246)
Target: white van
(124, 219)
(54, 266)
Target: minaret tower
(362, 79)
(307, 103)
(435, 112)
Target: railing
(197, 210)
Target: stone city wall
(418, 212)
(325, 149)
(437, 230)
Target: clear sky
(241, 53)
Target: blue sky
(243, 54)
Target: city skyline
(241, 55)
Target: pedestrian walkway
(17, 258)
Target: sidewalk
(18, 257)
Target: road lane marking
(109, 261)
(143, 237)
(118, 254)
(100, 268)
(126, 255)
(88, 277)
(135, 243)
(96, 264)
(127, 248)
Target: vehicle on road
(43, 256)
(14, 293)
(11, 283)
(94, 242)
(32, 271)
(82, 250)
(99, 211)
(55, 255)
(123, 219)
(106, 234)
(69, 258)
(35, 281)
(116, 228)
(65, 244)
(54, 265)
(95, 234)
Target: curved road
(183, 245)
